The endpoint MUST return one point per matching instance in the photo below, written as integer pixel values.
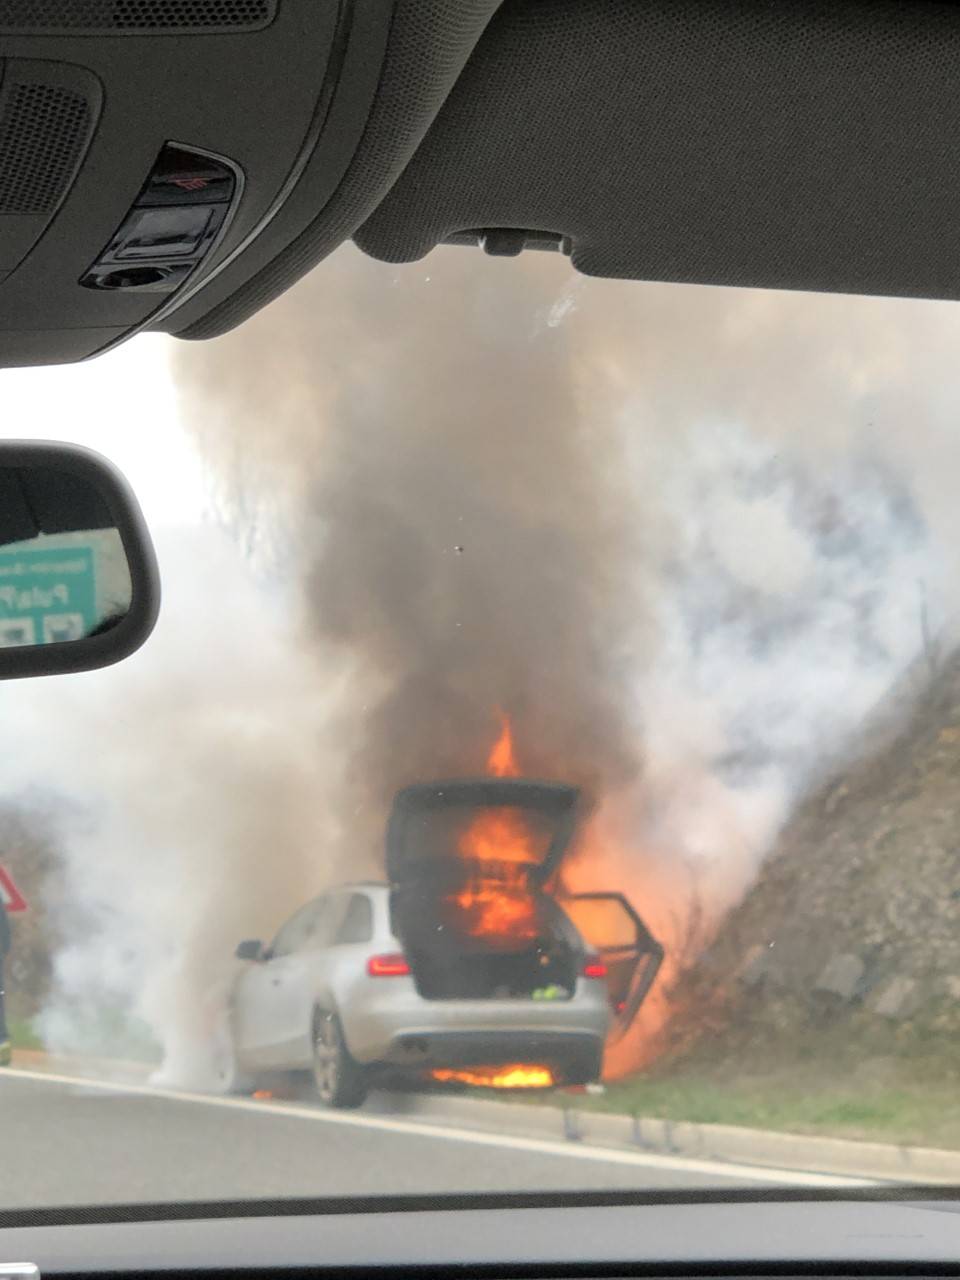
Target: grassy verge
(23, 1035)
(856, 1080)
(105, 1037)
(924, 1115)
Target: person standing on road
(5, 1050)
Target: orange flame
(502, 761)
(605, 860)
(498, 845)
(516, 1076)
(498, 905)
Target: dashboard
(733, 1235)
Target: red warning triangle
(12, 898)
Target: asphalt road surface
(67, 1140)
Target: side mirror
(251, 949)
(79, 587)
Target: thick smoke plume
(454, 512)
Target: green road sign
(46, 595)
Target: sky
(123, 405)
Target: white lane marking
(447, 1133)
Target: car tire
(340, 1081)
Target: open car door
(608, 923)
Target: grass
(865, 1082)
(856, 1080)
(106, 1036)
(918, 1113)
(22, 1034)
(923, 1115)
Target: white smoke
(195, 813)
(793, 599)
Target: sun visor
(724, 142)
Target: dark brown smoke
(451, 507)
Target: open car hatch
(472, 864)
(427, 819)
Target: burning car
(470, 965)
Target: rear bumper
(574, 1057)
(388, 1022)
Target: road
(69, 1140)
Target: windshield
(684, 558)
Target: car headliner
(801, 145)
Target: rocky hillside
(851, 937)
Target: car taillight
(594, 967)
(392, 965)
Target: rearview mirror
(78, 579)
(251, 949)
